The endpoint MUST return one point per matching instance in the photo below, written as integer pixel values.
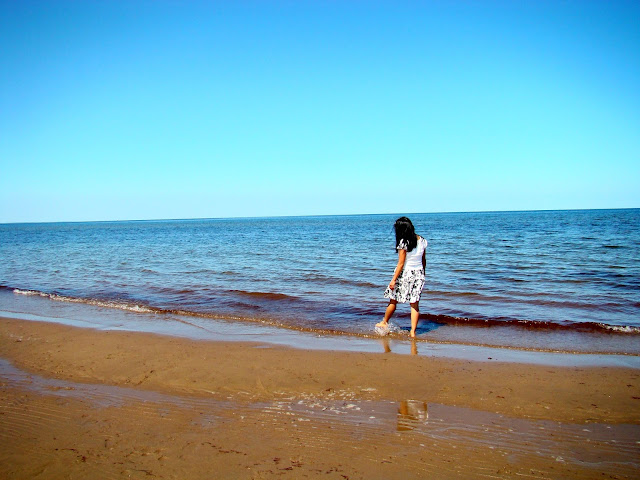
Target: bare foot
(412, 334)
(382, 328)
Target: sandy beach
(83, 403)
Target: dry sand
(82, 403)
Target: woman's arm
(424, 260)
(402, 255)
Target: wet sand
(82, 403)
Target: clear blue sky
(165, 109)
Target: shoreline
(554, 347)
(128, 402)
(221, 330)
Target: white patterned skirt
(408, 287)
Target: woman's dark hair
(405, 231)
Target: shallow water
(84, 315)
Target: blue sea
(542, 280)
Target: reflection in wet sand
(386, 345)
(427, 437)
(411, 413)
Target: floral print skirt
(408, 287)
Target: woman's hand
(392, 284)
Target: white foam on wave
(97, 303)
(28, 292)
(621, 329)
(119, 305)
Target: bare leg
(388, 313)
(415, 316)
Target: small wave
(172, 291)
(325, 279)
(524, 298)
(266, 295)
(132, 307)
(621, 329)
(207, 271)
(594, 327)
(29, 292)
(462, 294)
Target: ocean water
(560, 280)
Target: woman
(408, 277)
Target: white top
(414, 257)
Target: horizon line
(315, 215)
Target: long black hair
(405, 231)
